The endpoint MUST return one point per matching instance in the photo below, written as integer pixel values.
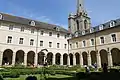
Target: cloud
(17, 10)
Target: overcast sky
(56, 11)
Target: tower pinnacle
(80, 6)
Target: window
(77, 25)
(9, 40)
(10, 27)
(21, 41)
(1, 16)
(91, 30)
(65, 46)
(58, 45)
(84, 43)
(65, 36)
(42, 32)
(71, 46)
(112, 24)
(58, 35)
(113, 37)
(41, 43)
(76, 44)
(101, 27)
(92, 42)
(50, 44)
(50, 33)
(85, 24)
(32, 30)
(102, 40)
(32, 23)
(83, 32)
(31, 42)
(22, 29)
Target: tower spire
(80, 6)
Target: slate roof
(25, 21)
(96, 28)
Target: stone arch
(71, 58)
(85, 24)
(104, 56)
(7, 57)
(85, 60)
(41, 58)
(57, 58)
(77, 55)
(49, 58)
(30, 58)
(77, 22)
(65, 57)
(93, 57)
(19, 57)
(115, 52)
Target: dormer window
(32, 23)
(101, 27)
(91, 30)
(1, 16)
(70, 35)
(10, 27)
(76, 34)
(57, 28)
(112, 24)
(83, 32)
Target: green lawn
(23, 77)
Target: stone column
(1, 57)
(81, 60)
(36, 60)
(25, 59)
(98, 59)
(45, 58)
(89, 59)
(68, 60)
(13, 58)
(110, 62)
(53, 60)
(61, 60)
(74, 59)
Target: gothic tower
(79, 21)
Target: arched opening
(41, 56)
(85, 61)
(93, 57)
(85, 24)
(49, 58)
(19, 57)
(7, 57)
(57, 57)
(77, 24)
(115, 56)
(30, 58)
(77, 55)
(65, 57)
(71, 58)
(104, 57)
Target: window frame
(31, 42)
(41, 43)
(101, 40)
(21, 40)
(9, 39)
(112, 38)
